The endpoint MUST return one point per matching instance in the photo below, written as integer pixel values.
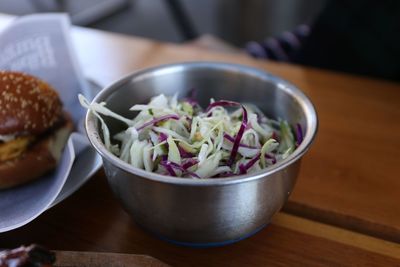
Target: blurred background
(358, 36)
(235, 21)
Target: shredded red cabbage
(268, 156)
(162, 137)
(244, 167)
(224, 103)
(184, 153)
(189, 163)
(299, 134)
(155, 120)
(231, 139)
(169, 165)
(275, 136)
(188, 142)
(192, 97)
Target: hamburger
(33, 128)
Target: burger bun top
(28, 105)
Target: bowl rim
(305, 102)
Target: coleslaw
(179, 138)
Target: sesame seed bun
(33, 128)
(28, 105)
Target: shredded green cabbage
(177, 137)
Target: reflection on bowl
(204, 212)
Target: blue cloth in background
(358, 36)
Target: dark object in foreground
(30, 256)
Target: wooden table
(345, 209)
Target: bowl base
(206, 244)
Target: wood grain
(350, 177)
(95, 259)
(91, 220)
(337, 234)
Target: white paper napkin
(41, 45)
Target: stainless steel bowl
(208, 211)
